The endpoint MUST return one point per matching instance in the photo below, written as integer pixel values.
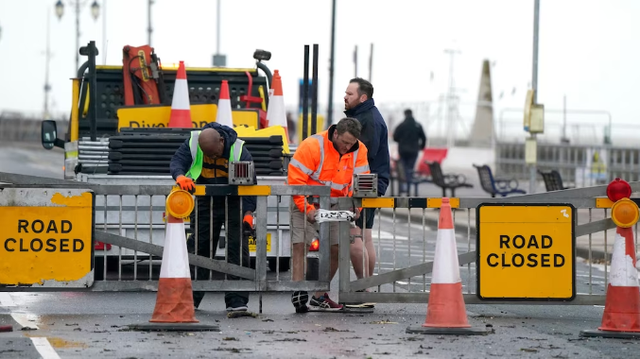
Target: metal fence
(404, 238)
(579, 165)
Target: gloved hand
(185, 183)
(247, 225)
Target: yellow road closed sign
(47, 237)
(526, 251)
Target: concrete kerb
(461, 227)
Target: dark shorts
(370, 213)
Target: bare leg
(334, 266)
(370, 250)
(359, 257)
(297, 273)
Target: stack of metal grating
(93, 155)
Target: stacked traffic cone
(446, 313)
(276, 113)
(180, 106)
(174, 308)
(223, 116)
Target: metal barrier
(404, 248)
(400, 277)
(580, 165)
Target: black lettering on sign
(489, 260)
(78, 245)
(504, 240)
(519, 239)
(518, 259)
(37, 226)
(65, 226)
(545, 260)
(52, 227)
(36, 244)
(558, 258)
(22, 248)
(6, 245)
(64, 243)
(22, 225)
(504, 261)
(51, 245)
(533, 261)
(547, 242)
(533, 243)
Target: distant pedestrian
(411, 140)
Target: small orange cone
(621, 317)
(223, 116)
(276, 113)
(180, 107)
(446, 312)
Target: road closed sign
(47, 237)
(526, 251)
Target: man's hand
(311, 216)
(357, 212)
(248, 218)
(185, 183)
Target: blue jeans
(408, 161)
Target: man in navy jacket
(359, 104)
(214, 147)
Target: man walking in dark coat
(411, 140)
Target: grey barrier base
(173, 327)
(609, 334)
(447, 331)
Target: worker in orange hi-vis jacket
(329, 158)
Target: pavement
(601, 243)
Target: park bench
(495, 186)
(447, 181)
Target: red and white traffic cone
(276, 113)
(180, 106)
(446, 312)
(621, 317)
(223, 116)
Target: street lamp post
(95, 12)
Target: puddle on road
(60, 343)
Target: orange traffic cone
(446, 313)
(180, 107)
(621, 317)
(276, 113)
(174, 308)
(223, 116)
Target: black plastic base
(447, 331)
(174, 327)
(608, 334)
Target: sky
(588, 51)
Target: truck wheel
(284, 264)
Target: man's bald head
(211, 143)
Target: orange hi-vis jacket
(317, 162)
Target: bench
(552, 180)
(447, 181)
(398, 175)
(495, 186)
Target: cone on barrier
(223, 116)
(621, 317)
(446, 313)
(174, 308)
(180, 106)
(276, 113)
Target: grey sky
(587, 47)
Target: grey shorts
(299, 234)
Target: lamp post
(95, 12)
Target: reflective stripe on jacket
(317, 162)
(198, 156)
